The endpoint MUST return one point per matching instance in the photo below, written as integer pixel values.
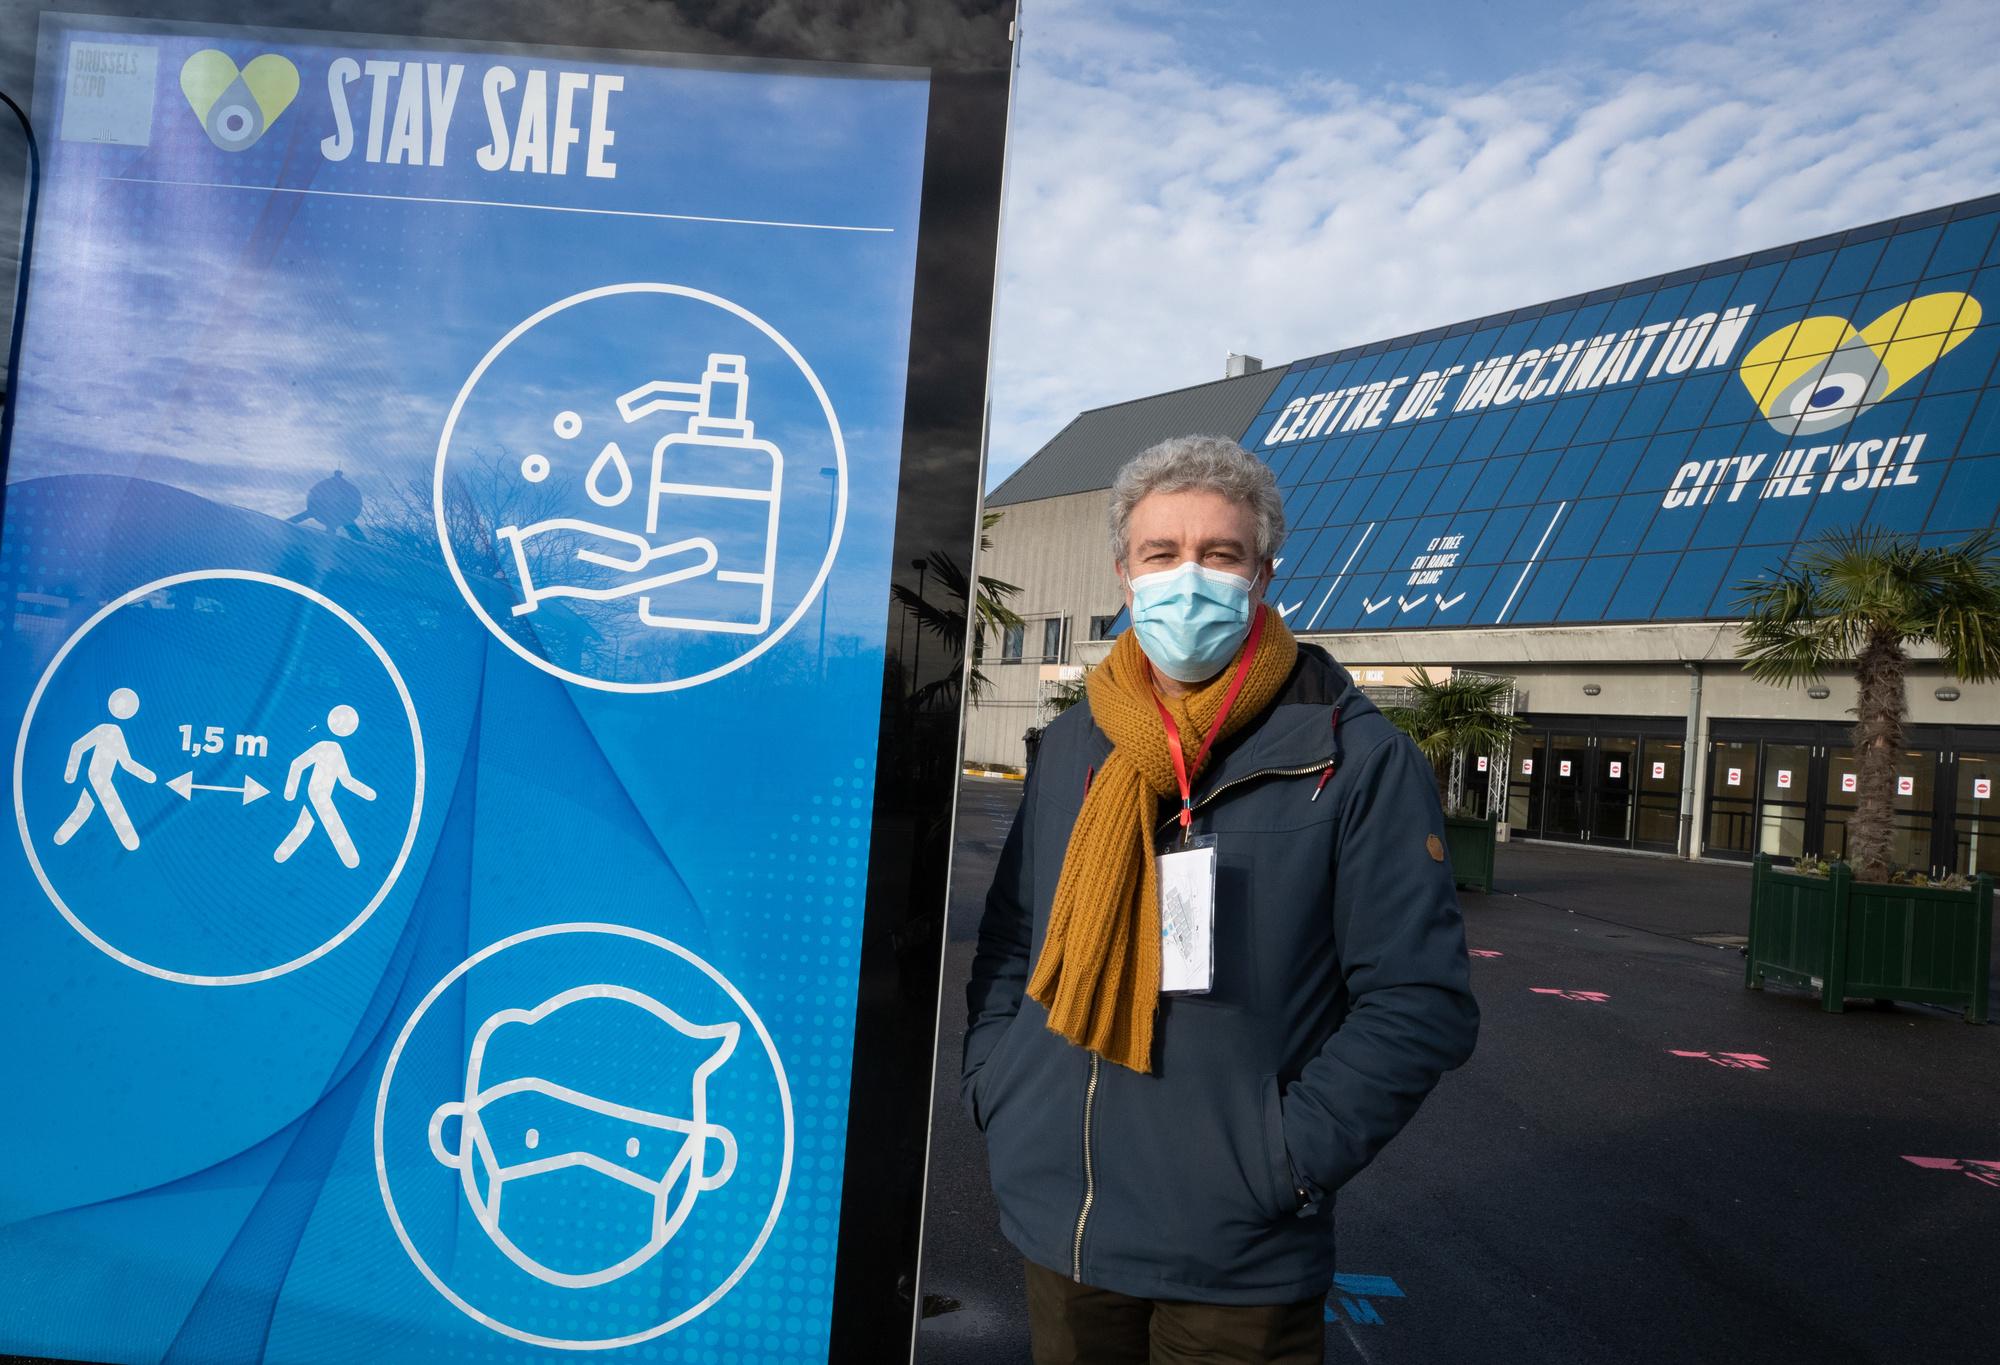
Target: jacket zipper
(1089, 1174)
(1325, 764)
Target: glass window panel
(1721, 522)
(1538, 524)
(1982, 432)
(1572, 471)
(1463, 589)
(1670, 302)
(1384, 550)
(1307, 553)
(1613, 469)
(1513, 337)
(1830, 509)
(1711, 295)
(1602, 419)
(1551, 328)
(1977, 826)
(1755, 284)
(1547, 586)
(1451, 440)
(1967, 365)
(1454, 483)
(1353, 500)
(1963, 244)
(1522, 430)
(1417, 445)
(1907, 255)
(1695, 398)
(1376, 451)
(1315, 512)
(1531, 477)
(1591, 591)
(1688, 590)
(1626, 526)
(1496, 537)
(1943, 419)
(1640, 588)
(1751, 565)
(1781, 790)
(1626, 312)
(1418, 495)
(1589, 320)
(1671, 528)
(1486, 433)
(1968, 497)
(1777, 519)
(1490, 602)
(1906, 505)
(1565, 416)
(1800, 280)
(1649, 407)
(1852, 265)
(1491, 483)
(1578, 530)
(1653, 465)
(1448, 352)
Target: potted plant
(1862, 599)
(1464, 713)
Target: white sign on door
(1847, 782)
(1482, 763)
(1906, 786)
(1982, 787)
(1659, 770)
(1562, 768)
(1784, 777)
(1527, 766)
(1735, 777)
(1617, 768)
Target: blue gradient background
(190, 1174)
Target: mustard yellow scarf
(1099, 972)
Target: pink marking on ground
(1934, 1163)
(1482, 952)
(1594, 997)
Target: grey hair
(1212, 463)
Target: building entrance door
(1590, 780)
(1613, 790)
(1662, 768)
(1568, 788)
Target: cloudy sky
(1192, 177)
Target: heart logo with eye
(1819, 373)
(235, 107)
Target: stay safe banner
(446, 532)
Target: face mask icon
(1819, 373)
(235, 107)
(574, 1186)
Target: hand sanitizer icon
(717, 483)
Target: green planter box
(1847, 938)
(1469, 844)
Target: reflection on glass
(1732, 773)
(1569, 756)
(1781, 816)
(1611, 801)
(1660, 769)
(1976, 829)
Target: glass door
(1732, 798)
(1613, 789)
(1657, 824)
(1525, 771)
(1567, 786)
(1976, 824)
(1913, 802)
(1782, 793)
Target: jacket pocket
(985, 1080)
(1283, 1194)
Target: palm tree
(1865, 596)
(1452, 715)
(941, 611)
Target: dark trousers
(1074, 1324)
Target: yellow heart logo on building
(1819, 373)
(235, 107)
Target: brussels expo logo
(236, 107)
(1820, 373)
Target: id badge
(1187, 918)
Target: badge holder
(1187, 917)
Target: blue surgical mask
(1191, 620)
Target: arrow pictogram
(186, 786)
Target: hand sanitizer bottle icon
(717, 482)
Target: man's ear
(1262, 581)
(1124, 583)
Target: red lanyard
(1181, 766)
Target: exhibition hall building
(1572, 496)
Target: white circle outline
(416, 800)
(669, 684)
(382, 1108)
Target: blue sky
(1187, 179)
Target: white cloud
(1160, 214)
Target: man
(1169, 1106)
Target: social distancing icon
(200, 876)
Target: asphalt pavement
(1642, 1162)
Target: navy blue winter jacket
(1341, 994)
